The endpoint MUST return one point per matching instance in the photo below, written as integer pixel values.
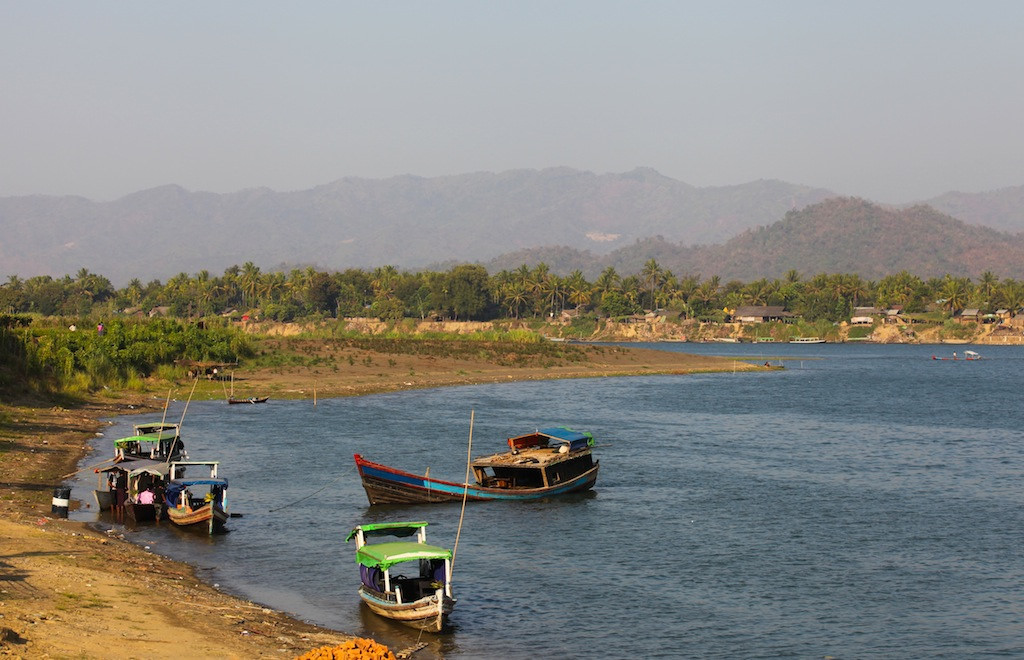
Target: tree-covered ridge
(839, 235)
(469, 292)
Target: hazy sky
(895, 101)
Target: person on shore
(120, 495)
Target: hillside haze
(569, 219)
(406, 221)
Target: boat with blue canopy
(421, 600)
(196, 498)
(549, 461)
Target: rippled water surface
(866, 501)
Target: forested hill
(839, 235)
(848, 235)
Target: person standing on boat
(147, 496)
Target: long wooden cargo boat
(547, 462)
(424, 601)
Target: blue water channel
(865, 501)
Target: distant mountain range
(559, 215)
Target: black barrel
(61, 496)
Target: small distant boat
(968, 356)
(764, 340)
(185, 508)
(549, 461)
(424, 601)
(725, 340)
(807, 340)
(252, 399)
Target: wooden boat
(423, 601)
(252, 399)
(152, 440)
(968, 356)
(551, 461)
(152, 443)
(141, 479)
(185, 508)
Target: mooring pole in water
(465, 490)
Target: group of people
(118, 483)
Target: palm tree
(514, 297)
(608, 280)
(956, 292)
(987, 288)
(578, 289)
(1010, 295)
(250, 280)
(652, 275)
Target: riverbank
(71, 591)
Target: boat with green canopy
(421, 601)
(152, 440)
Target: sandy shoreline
(67, 590)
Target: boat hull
(385, 485)
(137, 513)
(429, 614)
(104, 499)
(208, 519)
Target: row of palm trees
(469, 292)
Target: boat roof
(386, 555)
(150, 438)
(160, 469)
(399, 529)
(200, 481)
(575, 440)
(156, 425)
(567, 435)
(138, 465)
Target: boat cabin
(154, 440)
(542, 459)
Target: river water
(864, 502)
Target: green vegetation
(53, 354)
(501, 348)
(469, 293)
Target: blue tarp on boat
(175, 486)
(575, 439)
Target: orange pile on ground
(359, 648)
